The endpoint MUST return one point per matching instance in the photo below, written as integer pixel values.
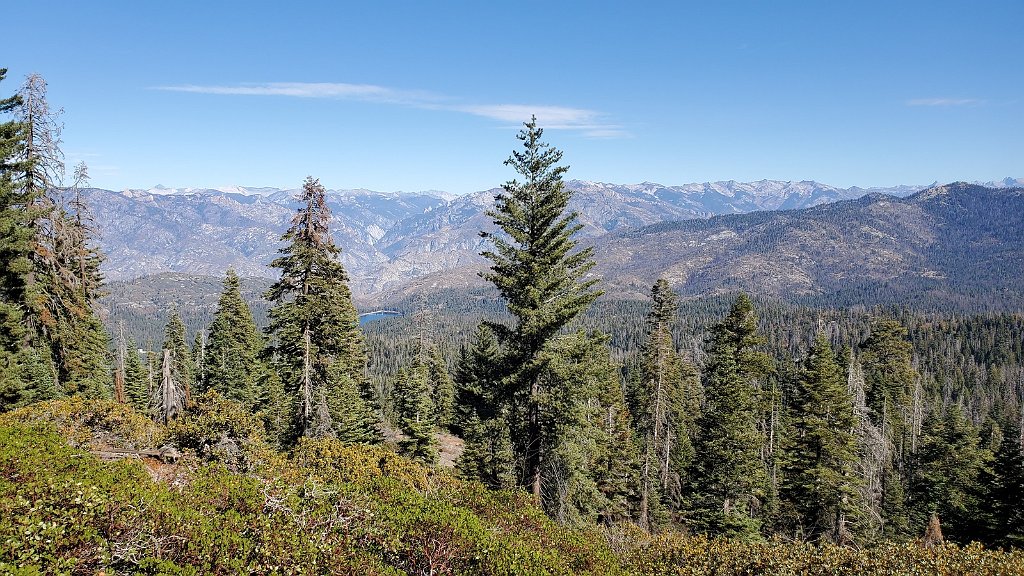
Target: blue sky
(428, 95)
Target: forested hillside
(392, 240)
(948, 242)
(690, 428)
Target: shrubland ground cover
(231, 504)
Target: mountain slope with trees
(950, 240)
(391, 239)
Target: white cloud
(586, 122)
(546, 115)
(944, 102)
(339, 90)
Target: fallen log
(167, 454)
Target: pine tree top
(535, 265)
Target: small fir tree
(416, 412)
(231, 356)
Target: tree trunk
(306, 393)
(534, 448)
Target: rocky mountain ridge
(391, 240)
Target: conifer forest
(534, 423)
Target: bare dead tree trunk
(872, 447)
(646, 488)
(306, 392)
(170, 401)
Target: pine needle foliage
(726, 479)
(819, 479)
(540, 274)
(317, 345)
(231, 357)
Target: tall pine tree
(540, 275)
(945, 473)
(663, 411)
(318, 347)
(889, 378)
(19, 360)
(819, 479)
(726, 480)
(50, 277)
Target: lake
(377, 315)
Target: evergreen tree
(352, 416)
(64, 279)
(416, 411)
(73, 281)
(615, 465)
(945, 476)
(233, 366)
(895, 519)
(663, 411)
(477, 379)
(17, 358)
(540, 276)
(182, 367)
(318, 346)
(1003, 512)
(275, 407)
(889, 379)
(26, 366)
(442, 389)
(50, 276)
(590, 472)
(726, 479)
(488, 454)
(136, 380)
(199, 360)
(819, 478)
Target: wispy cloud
(338, 90)
(945, 102)
(587, 122)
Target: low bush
(331, 508)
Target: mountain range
(393, 242)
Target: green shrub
(333, 508)
(97, 423)
(220, 430)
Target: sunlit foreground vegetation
(209, 496)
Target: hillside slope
(389, 239)
(954, 237)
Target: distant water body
(377, 315)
